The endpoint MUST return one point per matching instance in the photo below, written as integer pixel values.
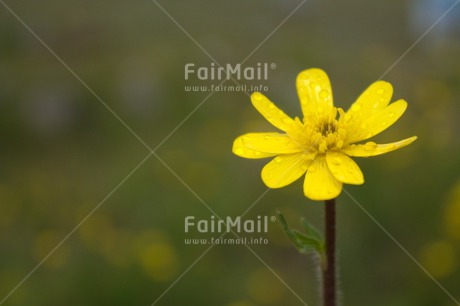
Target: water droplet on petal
(258, 96)
(271, 106)
(356, 107)
(381, 91)
(369, 146)
(239, 151)
(384, 123)
(278, 159)
(363, 125)
(257, 153)
(337, 161)
(323, 94)
(392, 114)
(286, 121)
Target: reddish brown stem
(329, 274)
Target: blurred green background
(62, 152)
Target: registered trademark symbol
(273, 66)
(273, 218)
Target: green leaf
(288, 230)
(311, 230)
(306, 243)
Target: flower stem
(329, 274)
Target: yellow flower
(321, 144)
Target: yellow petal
(378, 122)
(344, 168)
(270, 143)
(375, 98)
(315, 94)
(372, 149)
(285, 169)
(241, 150)
(270, 112)
(319, 183)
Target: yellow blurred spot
(100, 235)
(264, 287)
(241, 303)
(438, 258)
(452, 213)
(157, 256)
(45, 242)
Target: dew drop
(286, 121)
(278, 159)
(369, 146)
(271, 106)
(356, 107)
(257, 96)
(381, 91)
(257, 153)
(337, 161)
(384, 123)
(363, 125)
(392, 114)
(239, 151)
(323, 94)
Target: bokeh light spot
(438, 258)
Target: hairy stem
(329, 274)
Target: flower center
(327, 128)
(328, 133)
